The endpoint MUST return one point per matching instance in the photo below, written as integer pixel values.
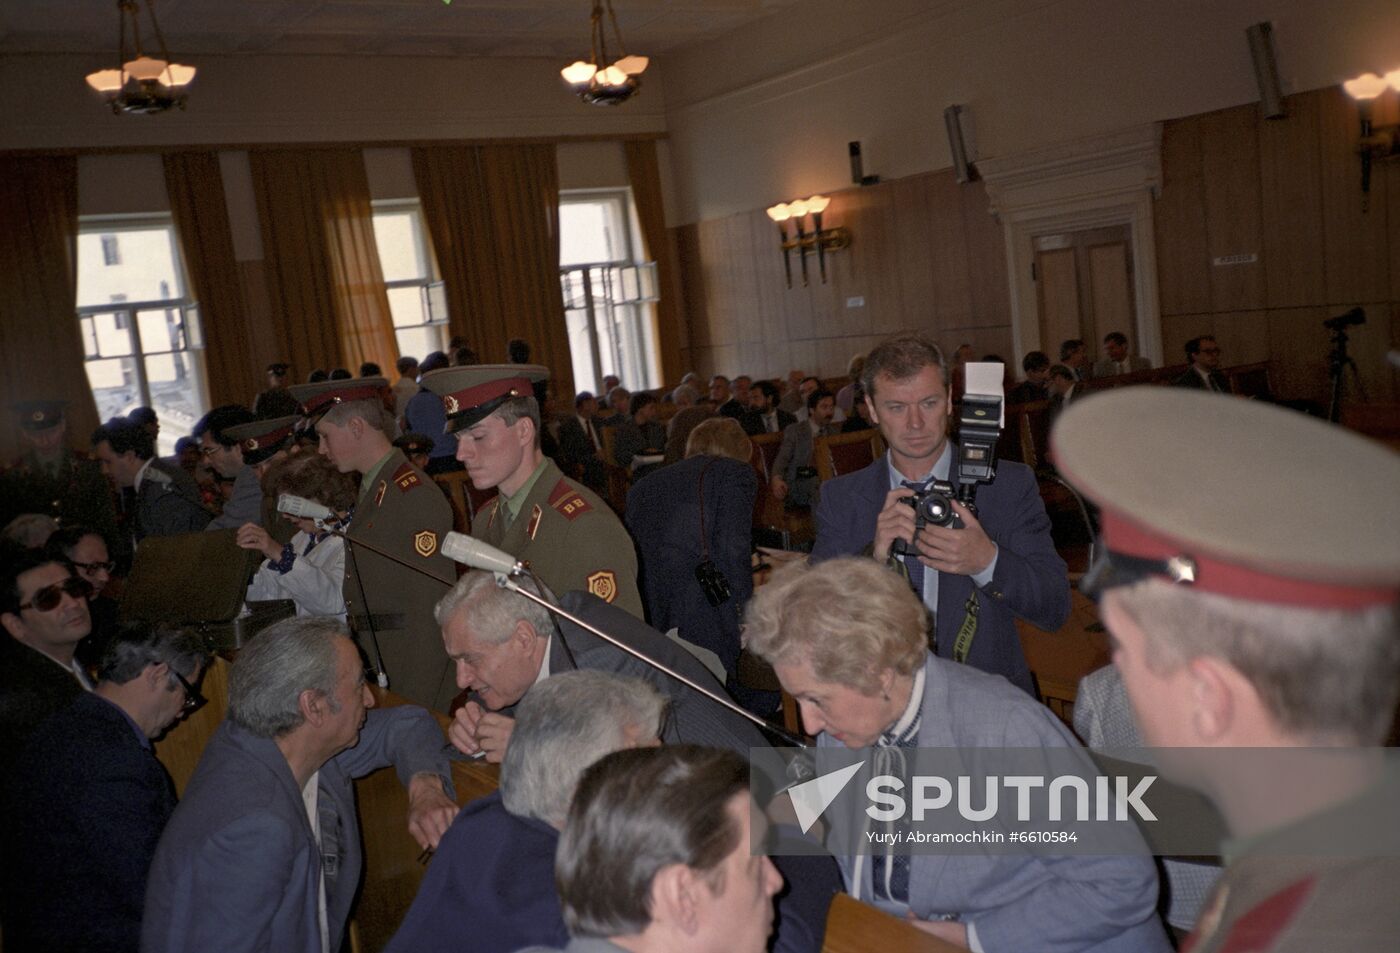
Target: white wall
(764, 115)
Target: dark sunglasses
(193, 699)
(49, 598)
(108, 566)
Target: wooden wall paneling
(1110, 292)
(1290, 175)
(1298, 348)
(1243, 337)
(872, 270)
(804, 356)
(986, 245)
(950, 304)
(1179, 218)
(769, 358)
(913, 245)
(1368, 345)
(1391, 172)
(1230, 167)
(1177, 329)
(1354, 241)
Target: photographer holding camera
(985, 565)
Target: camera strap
(968, 630)
(700, 493)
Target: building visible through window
(142, 342)
(416, 300)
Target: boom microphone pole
(508, 571)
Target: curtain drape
(644, 173)
(493, 215)
(323, 273)
(196, 188)
(41, 346)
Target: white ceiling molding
(1088, 183)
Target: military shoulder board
(568, 501)
(406, 478)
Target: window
(609, 296)
(416, 301)
(141, 338)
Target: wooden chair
(179, 749)
(1250, 380)
(793, 526)
(844, 453)
(855, 927)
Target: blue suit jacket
(238, 866)
(86, 804)
(489, 889)
(1030, 580)
(1040, 902)
(664, 517)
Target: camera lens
(936, 509)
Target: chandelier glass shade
(600, 80)
(141, 83)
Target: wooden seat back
(845, 453)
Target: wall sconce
(821, 239)
(1377, 142)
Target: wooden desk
(1060, 659)
(855, 927)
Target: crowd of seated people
(627, 817)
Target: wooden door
(1084, 288)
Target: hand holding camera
(955, 543)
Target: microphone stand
(506, 582)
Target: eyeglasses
(207, 451)
(49, 598)
(193, 699)
(96, 567)
(1210, 350)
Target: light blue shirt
(939, 471)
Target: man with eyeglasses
(87, 800)
(1204, 373)
(44, 611)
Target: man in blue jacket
(976, 579)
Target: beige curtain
(493, 215)
(196, 189)
(644, 174)
(41, 347)
(323, 271)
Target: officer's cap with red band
(469, 394)
(260, 439)
(316, 399)
(1234, 497)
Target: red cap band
(1121, 535)
(325, 398)
(461, 401)
(268, 439)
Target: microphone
(470, 551)
(301, 507)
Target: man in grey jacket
(263, 854)
(224, 454)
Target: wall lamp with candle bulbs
(821, 240)
(1377, 141)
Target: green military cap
(260, 439)
(316, 399)
(39, 414)
(1235, 497)
(469, 394)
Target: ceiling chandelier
(142, 84)
(600, 81)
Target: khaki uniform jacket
(404, 513)
(570, 537)
(1311, 888)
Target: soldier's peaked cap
(260, 439)
(469, 394)
(316, 399)
(1235, 497)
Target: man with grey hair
(87, 800)
(503, 645)
(494, 868)
(263, 853)
(401, 512)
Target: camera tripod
(1338, 363)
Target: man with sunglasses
(44, 612)
(87, 800)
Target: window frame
(432, 295)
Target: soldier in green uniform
(54, 479)
(400, 511)
(1253, 613)
(564, 530)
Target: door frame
(1072, 186)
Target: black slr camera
(933, 505)
(712, 581)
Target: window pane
(396, 237)
(109, 337)
(592, 231)
(406, 306)
(114, 386)
(177, 393)
(581, 349)
(162, 329)
(419, 342)
(144, 269)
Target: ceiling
(552, 28)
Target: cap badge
(1181, 569)
(450, 404)
(251, 443)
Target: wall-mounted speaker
(858, 176)
(958, 143)
(1261, 53)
